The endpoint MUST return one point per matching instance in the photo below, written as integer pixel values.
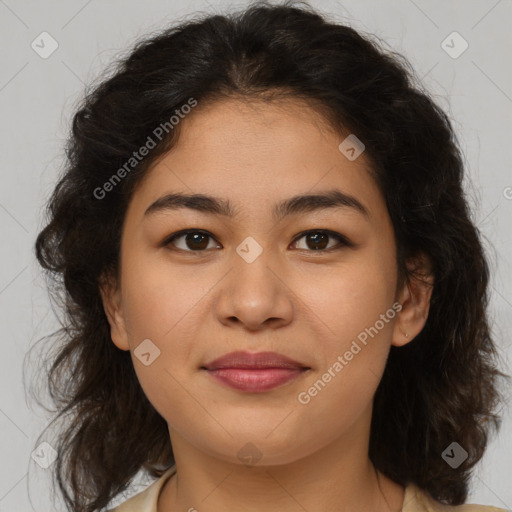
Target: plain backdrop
(37, 98)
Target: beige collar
(415, 500)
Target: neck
(339, 477)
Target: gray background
(37, 98)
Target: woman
(275, 296)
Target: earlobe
(112, 305)
(414, 298)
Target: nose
(255, 295)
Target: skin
(304, 303)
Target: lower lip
(255, 381)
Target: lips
(254, 373)
(259, 360)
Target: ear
(112, 305)
(415, 300)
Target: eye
(194, 239)
(317, 240)
(197, 240)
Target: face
(310, 284)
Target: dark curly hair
(441, 387)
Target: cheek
(351, 297)
(353, 353)
(352, 309)
(158, 297)
(155, 311)
(163, 305)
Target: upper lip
(248, 360)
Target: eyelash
(343, 241)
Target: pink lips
(254, 372)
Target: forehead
(256, 154)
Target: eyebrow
(294, 205)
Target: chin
(252, 450)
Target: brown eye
(319, 240)
(193, 240)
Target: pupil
(317, 239)
(196, 239)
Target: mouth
(254, 372)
